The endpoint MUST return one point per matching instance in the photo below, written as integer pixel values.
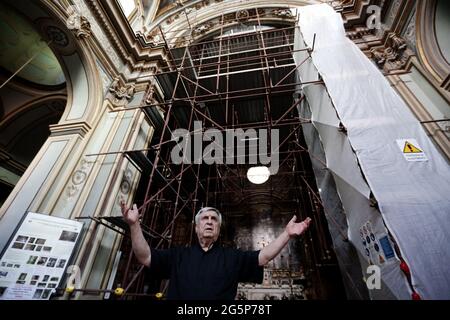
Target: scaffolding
(230, 81)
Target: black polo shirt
(198, 275)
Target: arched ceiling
(197, 19)
(19, 41)
(149, 15)
(169, 10)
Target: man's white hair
(197, 216)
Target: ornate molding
(270, 15)
(354, 12)
(150, 95)
(80, 128)
(393, 56)
(392, 44)
(410, 32)
(282, 13)
(134, 47)
(78, 24)
(125, 185)
(122, 93)
(127, 45)
(204, 28)
(59, 41)
(106, 26)
(242, 15)
(358, 33)
(78, 178)
(153, 38)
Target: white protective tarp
(331, 144)
(413, 196)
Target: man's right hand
(139, 244)
(130, 215)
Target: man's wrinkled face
(208, 226)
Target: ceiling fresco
(19, 41)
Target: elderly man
(206, 270)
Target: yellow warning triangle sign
(410, 148)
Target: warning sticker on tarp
(411, 150)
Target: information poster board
(35, 260)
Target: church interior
(94, 92)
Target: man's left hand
(297, 228)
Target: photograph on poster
(37, 294)
(21, 238)
(51, 262)
(32, 259)
(61, 263)
(42, 261)
(30, 246)
(46, 293)
(18, 245)
(22, 276)
(39, 251)
(68, 236)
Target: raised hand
(297, 228)
(130, 215)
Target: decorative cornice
(122, 93)
(358, 33)
(394, 56)
(143, 51)
(107, 27)
(78, 24)
(354, 12)
(388, 48)
(207, 27)
(80, 128)
(139, 57)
